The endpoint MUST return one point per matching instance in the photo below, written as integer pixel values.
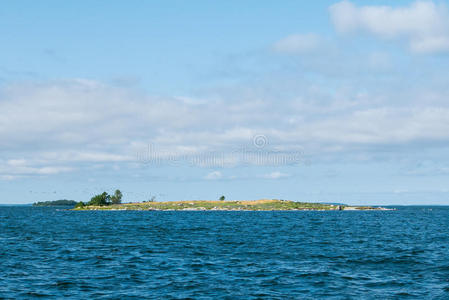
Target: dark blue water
(46, 252)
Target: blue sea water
(51, 253)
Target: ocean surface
(53, 253)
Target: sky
(321, 101)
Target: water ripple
(48, 253)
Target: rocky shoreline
(253, 205)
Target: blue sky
(336, 101)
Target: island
(221, 205)
(62, 202)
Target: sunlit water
(46, 252)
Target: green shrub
(100, 200)
(117, 197)
(80, 204)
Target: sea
(53, 253)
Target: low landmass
(62, 202)
(221, 205)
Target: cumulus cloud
(423, 24)
(298, 43)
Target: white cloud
(16, 162)
(275, 175)
(10, 172)
(298, 43)
(214, 175)
(64, 126)
(376, 126)
(50, 170)
(423, 24)
(8, 177)
(83, 156)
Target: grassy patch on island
(253, 205)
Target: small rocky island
(221, 205)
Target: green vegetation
(257, 205)
(117, 197)
(100, 200)
(103, 199)
(80, 205)
(62, 202)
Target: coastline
(249, 205)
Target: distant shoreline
(56, 203)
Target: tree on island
(100, 200)
(222, 198)
(103, 199)
(117, 197)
